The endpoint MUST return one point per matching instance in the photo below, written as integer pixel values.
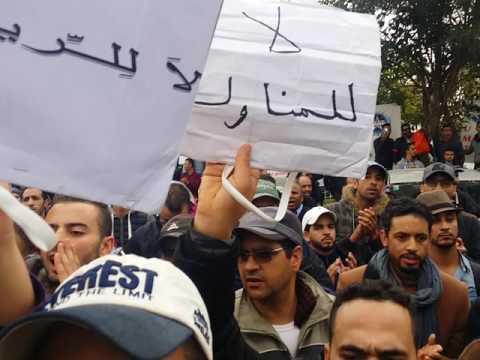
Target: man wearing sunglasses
(281, 313)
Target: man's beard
(445, 245)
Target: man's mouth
(410, 260)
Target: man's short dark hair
(387, 125)
(178, 197)
(43, 194)
(402, 207)
(374, 290)
(104, 217)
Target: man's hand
(367, 225)
(334, 269)
(431, 351)
(217, 211)
(66, 261)
(368, 219)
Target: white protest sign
(95, 95)
(298, 81)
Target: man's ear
(306, 235)
(383, 237)
(107, 245)
(297, 258)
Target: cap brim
(119, 324)
(262, 232)
(446, 209)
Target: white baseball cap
(312, 215)
(146, 307)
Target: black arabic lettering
(116, 48)
(243, 112)
(307, 112)
(243, 116)
(277, 34)
(12, 35)
(226, 102)
(186, 85)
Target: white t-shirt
(289, 334)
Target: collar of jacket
(251, 322)
(348, 196)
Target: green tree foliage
(430, 53)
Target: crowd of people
(417, 150)
(367, 277)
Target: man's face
(406, 131)
(386, 131)
(264, 280)
(322, 234)
(440, 181)
(33, 198)
(371, 188)
(66, 341)
(407, 243)
(358, 335)
(296, 197)
(187, 166)
(77, 224)
(412, 151)
(447, 133)
(449, 156)
(306, 185)
(445, 230)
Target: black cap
(289, 228)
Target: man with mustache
(318, 227)
(440, 176)
(357, 212)
(441, 301)
(295, 203)
(443, 249)
(282, 312)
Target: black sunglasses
(260, 256)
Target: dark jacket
(467, 203)
(211, 265)
(124, 227)
(384, 152)
(469, 231)
(146, 240)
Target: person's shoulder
(454, 290)
(350, 277)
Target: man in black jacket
(384, 148)
(210, 263)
